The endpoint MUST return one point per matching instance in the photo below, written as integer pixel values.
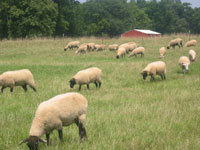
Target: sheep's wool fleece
(18, 77)
(88, 75)
(59, 111)
(184, 60)
(156, 67)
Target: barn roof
(147, 31)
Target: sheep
(21, 77)
(91, 46)
(87, 76)
(131, 46)
(175, 42)
(99, 47)
(190, 43)
(184, 63)
(155, 68)
(71, 45)
(192, 55)
(121, 52)
(162, 52)
(55, 113)
(113, 47)
(139, 50)
(82, 49)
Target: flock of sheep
(65, 109)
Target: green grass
(126, 113)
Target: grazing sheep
(162, 52)
(87, 76)
(155, 68)
(130, 47)
(82, 49)
(191, 43)
(175, 42)
(17, 78)
(184, 63)
(71, 45)
(99, 47)
(139, 50)
(61, 110)
(113, 47)
(91, 46)
(121, 52)
(192, 55)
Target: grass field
(126, 113)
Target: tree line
(56, 18)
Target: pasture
(126, 113)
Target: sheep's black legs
(24, 87)
(34, 89)
(79, 87)
(88, 87)
(96, 84)
(11, 89)
(47, 137)
(60, 133)
(2, 89)
(82, 131)
(99, 84)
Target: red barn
(141, 33)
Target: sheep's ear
(42, 140)
(24, 141)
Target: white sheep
(99, 47)
(184, 63)
(71, 45)
(139, 50)
(162, 52)
(87, 76)
(192, 55)
(121, 52)
(91, 46)
(113, 47)
(130, 46)
(61, 110)
(82, 49)
(155, 68)
(190, 43)
(175, 42)
(17, 78)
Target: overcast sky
(195, 3)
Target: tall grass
(126, 113)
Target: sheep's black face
(32, 145)
(144, 74)
(117, 57)
(72, 83)
(167, 47)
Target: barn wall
(134, 33)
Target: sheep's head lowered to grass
(33, 142)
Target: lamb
(175, 42)
(113, 47)
(184, 63)
(139, 50)
(17, 78)
(99, 47)
(192, 55)
(87, 76)
(82, 49)
(155, 68)
(121, 52)
(190, 43)
(71, 45)
(162, 52)
(55, 113)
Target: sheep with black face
(87, 76)
(55, 113)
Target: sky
(195, 3)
